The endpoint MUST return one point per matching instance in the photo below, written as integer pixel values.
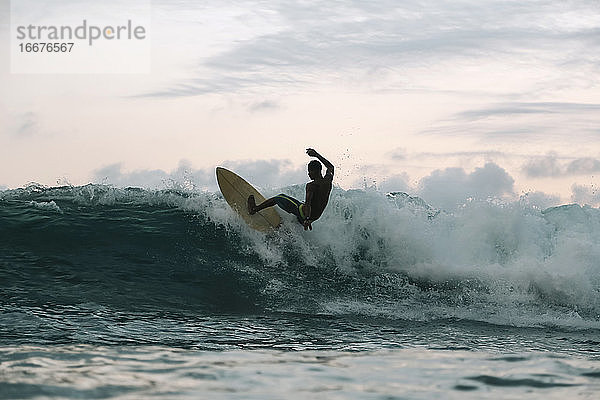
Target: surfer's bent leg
(253, 208)
(285, 202)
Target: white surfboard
(236, 191)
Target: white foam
(46, 205)
(512, 262)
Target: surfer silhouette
(317, 194)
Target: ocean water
(130, 293)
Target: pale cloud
(261, 173)
(395, 183)
(540, 199)
(516, 108)
(28, 125)
(378, 177)
(323, 41)
(582, 194)
(551, 166)
(464, 154)
(265, 105)
(184, 176)
(451, 187)
(543, 121)
(583, 166)
(543, 166)
(398, 154)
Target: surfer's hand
(311, 152)
(307, 225)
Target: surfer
(317, 194)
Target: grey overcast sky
(444, 99)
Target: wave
(371, 255)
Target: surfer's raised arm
(328, 165)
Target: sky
(447, 100)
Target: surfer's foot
(251, 205)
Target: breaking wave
(371, 255)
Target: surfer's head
(314, 169)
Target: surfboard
(236, 191)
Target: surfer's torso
(321, 189)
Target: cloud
(468, 154)
(395, 183)
(398, 154)
(447, 188)
(583, 166)
(516, 108)
(29, 125)
(540, 199)
(450, 187)
(264, 174)
(265, 105)
(582, 194)
(321, 41)
(543, 167)
(508, 121)
(183, 176)
(550, 166)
